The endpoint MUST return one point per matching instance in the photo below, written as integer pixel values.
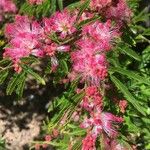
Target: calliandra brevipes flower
(61, 23)
(97, 5)
(89, 62)
(23, 25)
(118, 11)
(24, 36)
(91, 99)
(6, 6)
(98, 36)
(51, 49)
(91, 68)
(88, 143)
(37, 2)
(102, 122)
(122, 105)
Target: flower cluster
(99, 121)
(98, 5)
(89, 61)
(87, 45)
(117, 10)
(28, 37)
(91, 99)
(6, 6)
(25, 39)
(61, 23)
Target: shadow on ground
(21, 121)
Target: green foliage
(128, 69)
(38, 10)
(2, 144)
(127, 94)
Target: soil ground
(21, 121)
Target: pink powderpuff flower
(98, 5)
(102, 121)
(23, 25)
(91, 90)
(122, 105)
(102, 35)
(107, 120)
(48, 138)
(88, 143)
(15, 54)
(54, 63)
(61, 23)
(26, 38)
(52, 48)
(7, 6)
(119, 11)
(91, 68)
(37, 2)
(25, 42)
(91, 99)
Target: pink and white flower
(37, 2)
(61, 23)
(6, 6)
(102, 121)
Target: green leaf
(127, 94)
(88, 21)
(130, 74)
(14, 82)
(129, 52)
(74, 5)
(53, 6)
(60, 4)
(4, 61)
(3, 75)
(76, 98)
(64, 66)
(28, 70)
(30, 59)
(79, 132)
(20, 87)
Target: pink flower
(107, 120)
(23, 25)
(26, 38)
(37, 2)
(7, 6)
(90, 91)
(122, 105)
(48, 138)
(54, 63)
(91, 68)
(89, 62)
(119, 11)
(100, 34)
(99, 4)
(88, 143)
(52, 48)
(16, 53)
(91, 99)
(102, 121)
(61, 23)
